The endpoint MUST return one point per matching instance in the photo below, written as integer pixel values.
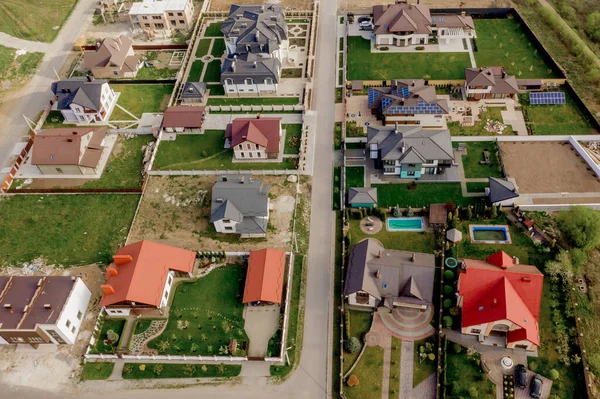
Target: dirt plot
(547, 167)
(223, 5)
(360, 4)
(568, 200)
(176, 211)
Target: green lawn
(211, 310)
(370, 375)
(355, 176)
(34, 20)
(337, 136)
(479, 128)
(476, 187)
(132, 371)
(463, 373)
(502, 42)
(53, 120)
(216, 90)
(360, 324)
(206, 152)
(141, 326)
(97, 370)
(395, 358)
(156, 73)
(423, 194)
(471, 165)
(218, 48)
(203, 47)
(101, 346)
(214, 30)
(195, 71)
(213, 72)
(400, 240)
(337, 175)
(563, 119)
(364, 65)
(138, 99)
(77, 229)
(423, 369)
(15, 68)
(254, 101)
(293, 133)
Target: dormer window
(249, 81)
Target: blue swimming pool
(404, 224)
(491, 234)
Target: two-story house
(83, 100)
(489, 83)
(254, 139)
(162, 17)
(409, 152)
(113, 57)
(408, 102)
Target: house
(408, 102)
(501, 192)
(362, 197)
(402, 24)
(489, 83)
(438, 215)
(193, 92)
(385, 278)
(141, 277)
(500, 301)
(83, 100)
(70, 151)
(264, 278)
(256, 39)
(254, 138)
(409, 151)
(42, 309)
(113, 57)
(182, 119)
(240, 205)
(162, 17)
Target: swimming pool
(404, 224)
(489, 234)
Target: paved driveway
(261, 322)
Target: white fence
(355, 139)
(256, 108)
(555, 207)
(587, 137)
(222, 172)
(581, 151)
(196, 358)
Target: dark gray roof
(226, 211)
(410, 144)
(501, 190)
(362, 195)
(193, 90)
(80, 91)
(257, 68)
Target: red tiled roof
(261, 131)
(264, 279)
(500, 259)
(183, 116)
(140, 271)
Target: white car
(365, 25)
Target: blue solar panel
(386, 102)
(551, 97)
(403, 92)
(373, 95)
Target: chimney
(122, 259)
(257, 116)
(247, 47)
(74, 133)
(69, 140)
(526, 279)
(224, 178)
(254, 64)
(244, 137)
(395, 127)
(379, 254)
(47, 306)
(233, 66)
(515, 260)
(98, 44)
(412, 258)
(378, 274)
(257, 35)
(494, 302)
(111, 271)
(107, 289)
(241, 179)
(89, 78)
(7, 306)
(462, 13)
(219, 200)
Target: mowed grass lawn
(360, 324)
(254, 101)
(293, 134)
(463, 373)
(423, 194)
(218, 48)
(214, 30)
(17, 69)
(564, 119)
(471, 165)
(211, 311)
(502, 42)
(355, 176)
(195, 71)
(64, 229)
(364, 65)
(34, 20)
(206, 152)
(132, 371)
(370, 375)
(97, 370)
(138, 99)
(213, 72)
(401, 240)
(203, 47)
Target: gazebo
(454, 235)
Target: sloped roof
(257, 68)
(80, 91)
(401, 17)
(193, 90)
(256, 25)
(264, 278)
(157, 6)
(496, 77)
(261, 131)
(112, 51)
(418, 92)
(226, 211)
(362, 195)
(395, 143)
(183, 116)
(438, 214)
(142, 280)
(454, 235)
(501, 189)
(62, 146)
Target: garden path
(138, 343)
(407, 369)
(386, 344)
(458, 158)
(117, 373)
(426, 389)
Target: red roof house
(183, 118)
(264, 278)
(139, 274)
(254, 137)
(501, 295)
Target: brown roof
(111, 51)
(264, 278)
(184, 116)
(453, 21)
(438, 214)
(261, 131)
(501, 82)
(62, 146)
(401, 17)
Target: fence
(222, 172)
(26, 191)
(583, 153)
(255, 108)
(588, 137)
(141, 82)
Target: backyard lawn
(370, 375)
(15, 68)
(97, 370)
(135, 371)
(205, 315)
(471, 165)
(34, 20)
(565, 119)
(364, 65)
(503, 42)
(53, 120)
(478, 187)
(478, 129)
(156, 73)
(355, 176)
(138, 99)
(464, 374)
(293, 133)
(213, 72)
(423, 194)
(360, 324)
(218, 48)
(401, 240)
(206, 152)
(101, 346)
(195, 71)
(203, 47)
(77, 229)
(216, 90)
(423, 368)
(254, 101)
(395, 359)
(214, 30)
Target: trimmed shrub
(352, 380)
(447, 303)
(457, 348)
(448, 275)
(352, 345)
(554, 374)
(448, 321)
(420, 48)
(448, 289)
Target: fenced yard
(138, 99)
(471, 160)
(420, 194)
(564, 119)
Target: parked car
(363, 19)
(365, 25)
(521, 376)
(535, 388)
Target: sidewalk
(13, 42)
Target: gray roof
(409, 144)
(390, 275)
(362, 195)
(251, 66)
(454, 235)
(501, 190)
(81, 91)
(193, 90)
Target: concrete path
(407, 369)
(256, 369)
(215, 121)
(117, 373)
(13, 42)
(406, 324)
(260, 323)
(471, 55)
(386, 344)
(461, 175)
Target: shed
(264, 278)
(454, 235)
(362, 197)
(438, 214)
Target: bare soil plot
(567, 200)
(551, 167)
(358, 4)
(176, 211)
(223, 5)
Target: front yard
(369, 372)
(293, 134)
(360, 324)
(136, 371)
(97, 370)
(471, 165)
(465, 376)
(138, 99)
(254, 101)
(422, 194)
(103, 345)
(355, 176)
(205, 314)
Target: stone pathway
(406, 369)
(138, 343)
(405, 324)
(458, 158)
(426, 389)
(117, 373)
(386, 344)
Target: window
(73, 330)
(250, 155)
(171, 14)
(180, 14)
(35, 339)
(181, 21)
(68, 324)
(59, 170)
(248, 81)
(240, 147)
(159, 26)
(257, 147)
(156, 17)
(79, 315)
(116, 73)
(229, 228)
(268, 81)
(170, 280)
(144, 17)
(241, 155)
(226, 220)
(17, 339)
(258, 155)
(81, 118)
(228, 81)
(166, 294)
(147, 25)
(411, 165)
(248, 146)
(475, 331)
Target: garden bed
(137, 371)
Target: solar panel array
(551, 97)
(421, 108)
(403, 92)
(373, 95)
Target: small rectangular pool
(489, 234)
(404, 224)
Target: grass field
(471, 165)
(138, 99)
(34, 20)
(216, 90)
(479, 128)
(156, 73)
(254, 101)
(195, 71)
(213, 72)
(355, 176)
(115, 325)
(422, 368)
(17, 69)
(423, 194)
(562, 119)
(132, 371)
(214, 30)
(502, 42)
(463, 373)
(97, 370)
(370, 375)
(478, 187)
(400, 240)
(293, 133)
(202, 48)
(364, 65)
(360, 323)
(218, 48)
(77, 229)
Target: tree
(581, 226)
(142, 367)
(471, 351)
(448, 275)
(553, 374)
(220, 368)
(469, 212)
(447, 303)
(112, 336)
(450, 206)
(194, 347)
(189, 369)
(448, 289)
(457, 348)
(448, 321)
(352, 345)
(473, 392)
(157, 369)
(352, 380)
(410, 212)
(163, 345)
(494, 212)
(397, 212)
(592, 26)
(204, 368)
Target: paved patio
(260, 323)
(403, 323)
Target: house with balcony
(408, 102)
(162, 18)
(489, 83)
(83, 100)
(409, 152)
(113, 58)
(254, 139)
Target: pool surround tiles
(494, 229)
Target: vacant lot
(552, 167)
(17, 69)
(503, 42)
(364, 65)
(555, 119)
(36, 20)
(138, 99)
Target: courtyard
(137, 99)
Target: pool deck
(422, 219)
(490, 227)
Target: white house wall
(425, 120)
(167, 290)
(118, 311)
(77, 302)
(352, 301)
(249, 89)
